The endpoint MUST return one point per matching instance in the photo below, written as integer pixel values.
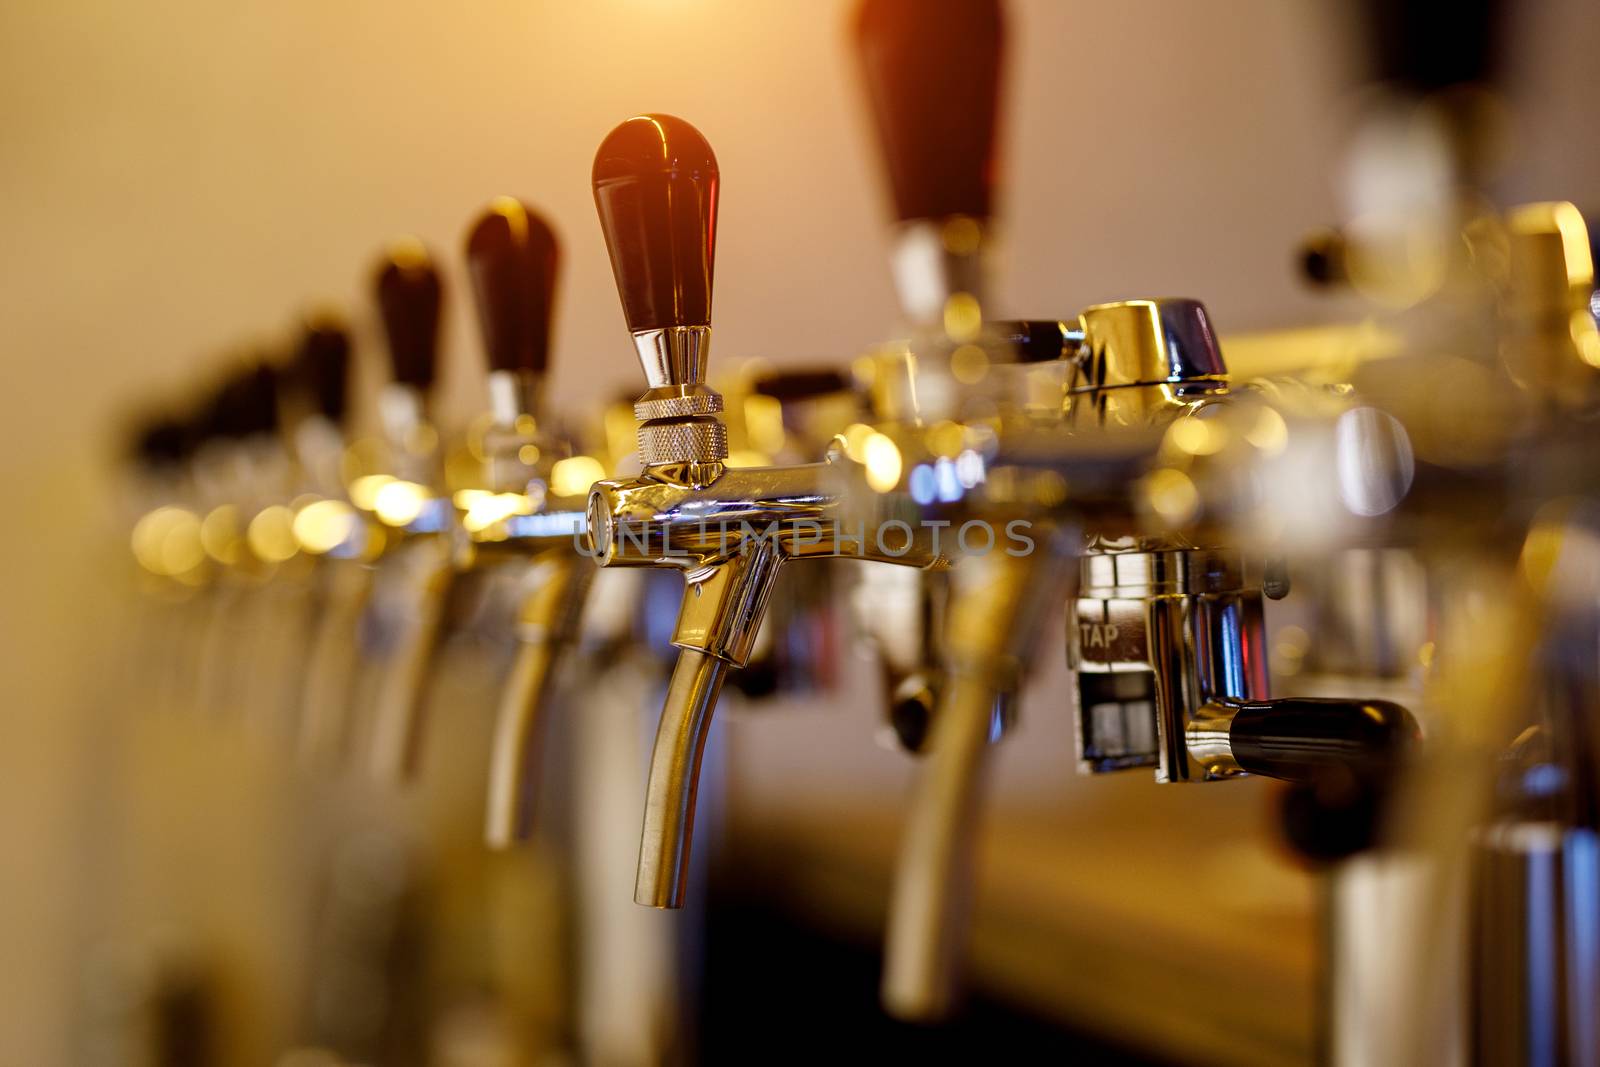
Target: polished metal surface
(995, 616)
(673, 355)
(675, 778)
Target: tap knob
(932, 74)
(322, 366)
(409, 299)
(655, 187)
(512, 256)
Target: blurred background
(179, 178)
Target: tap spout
(675, 778)
(998, 605)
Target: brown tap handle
(409, 299)
(932, 74)
(512, 256)
(322, 366)
(655, 187)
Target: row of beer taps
(976, 476)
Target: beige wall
(177, 176)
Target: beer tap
(1104, 356)
(329, 528)
(530, 506)
(404, 614)
(728, 529)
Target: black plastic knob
(512, 256)
(655, 187)
(1034, 340)
(932, 74)
(798, 385)
(1296, 738)
(410, 297)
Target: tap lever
(409, 299)
(512, 255)
(1296, 738)
(322, 366)
(798, 385)
(1039, 340)
(655, 187)
(932, 74)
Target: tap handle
(409, 299)
(245, 405)
(1034, 340)
(1408, 47)
(322, 365)
(512, 256)
(1297, 738)
(932, 74)
(799, 385)
(655, 187)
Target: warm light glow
(855, 441)
(574, 475)
(763, 422)
(484, 509)
(324, 525)
(1269, 433)
(968, 364)
(748, 457)
(945, 439)
(962, 317)
(409, 253)
(399, 503)
(1172, 495)
(1196, 437)
(219, 534)
(528, 454)
(364, 490)
(516, 216)
(167, 541)
(883, 463)
(271, 534)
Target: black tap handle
(655, 187)
(512, 256)
(1034, 340)
(932, 74)
(1424, 46)
(1298, 737)
(798, 385)
(410, 296)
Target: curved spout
(995, 614)
(549, 624)
(675, 778)
(397, 716)
(932, 888)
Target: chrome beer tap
(529, 508)
(1107, 357)
(728, 529)
(402, 622)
